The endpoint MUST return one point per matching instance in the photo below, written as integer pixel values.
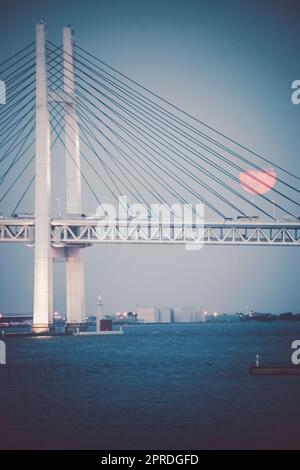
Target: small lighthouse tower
(99, 312)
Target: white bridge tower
(44, 253)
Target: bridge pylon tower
(74, 259)
(44, 253)
(43, 263)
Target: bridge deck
(85, 231)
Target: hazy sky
(229, 63)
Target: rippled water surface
(157, 386)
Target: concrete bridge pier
(75, 290)
(76, 315)
(43, 275)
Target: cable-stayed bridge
(118, 137)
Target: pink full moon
(258, 181)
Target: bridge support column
(75, 289)
(43, 281)
(74, 260)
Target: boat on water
(274, 370)
(258, 369)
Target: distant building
(125, 317)
(188, 315)
(171, 314)
(149, 314)
(198, 315)
(182, 315)
(165, 314)
(105, 325)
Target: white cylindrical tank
(198, 315)
(148, 314)
(182, 314)
(165, 314)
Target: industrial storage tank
(149, 314)
(188, 314)
(198, 315)
(165, 315)
(182, 314)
